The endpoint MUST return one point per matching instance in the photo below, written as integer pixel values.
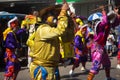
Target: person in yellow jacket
(46, 55)
(30, 43)
(29, 23)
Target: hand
(65, 6)
(116, 10)
(102, 7)
(72, 15)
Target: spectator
(109, 43)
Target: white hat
(96, 26)
(12, 20)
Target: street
(78, 74)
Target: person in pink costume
(98, 53)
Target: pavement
(78, 74)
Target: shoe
(71, 72)
(84, 69)
(110, 79)
(118, 66)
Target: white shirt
(110, 39)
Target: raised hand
(65, 7)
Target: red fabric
(77, 51)
(118, 56)
(10, 71)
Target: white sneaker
(71, 72)
(118, 66)
(84, 69)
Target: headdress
(96, 27)
(30, 19)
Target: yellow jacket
(46, 43)
(30, 43)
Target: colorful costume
(97, 48)
(30, 23)
(99, 55)
(11, 44)
(80, 48)
(46, 54)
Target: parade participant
(46, 54)
(80, 23)
(30, 22)
(80, 49)
(11, 36)
(99, 55)
(66, 43)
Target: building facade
(81, 7)
(85, 7)
(24, 6)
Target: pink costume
(99, 55)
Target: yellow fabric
(23, 24)
(80, 34)
(30, 43)
(30, 19)
(6, 32)
(38, 19)
(66, 47)
(50, 19)
(78, 20)
(50, 71)
(66, 50)
(66, 41)
(46, 43)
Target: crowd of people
(54, 36)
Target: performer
(46, 54)
(11, 36)
(80, 49)
(30, 22)
(99, 55)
